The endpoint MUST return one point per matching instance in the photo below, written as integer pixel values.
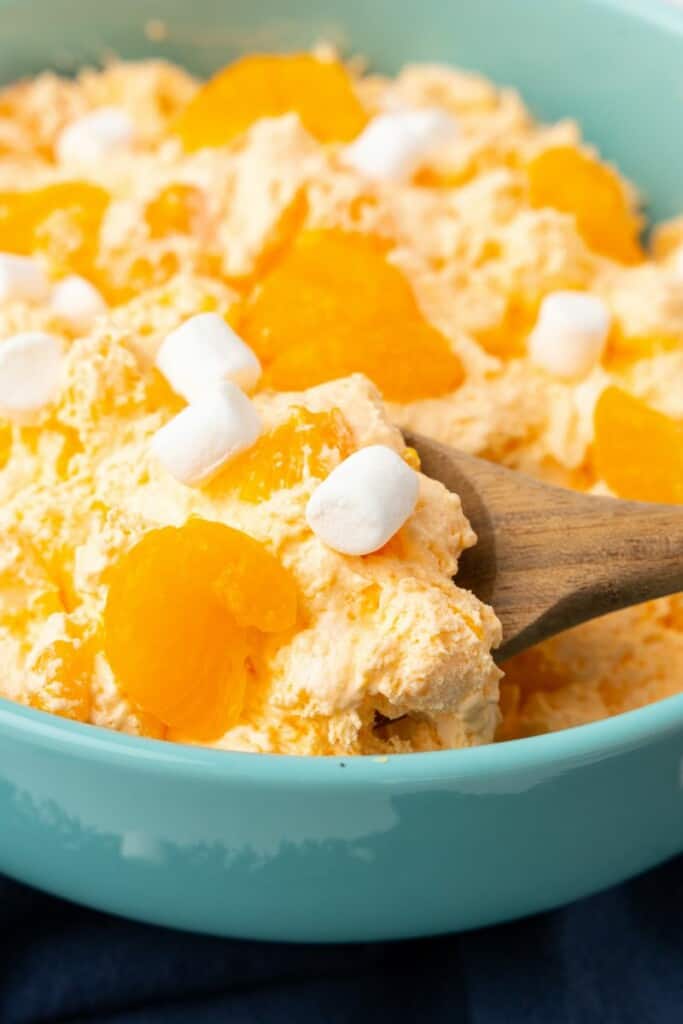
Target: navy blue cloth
(616, 958)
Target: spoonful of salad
(548, 558)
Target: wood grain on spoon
(549, 558)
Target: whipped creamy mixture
(410, 252)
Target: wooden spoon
(549, 558)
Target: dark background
(616, 958)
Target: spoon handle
(549, 558)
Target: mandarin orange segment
(335, 305)
(16, 226)
(267, 85)
(148, 725)
(252, 574)
(508, 338)
(62, 220)
(175, 210)
(69, 698)
(65, 691)
(308, 444)
(638, 450)
(623, 348)
(574, 182)
(171, 634)
(284, 230)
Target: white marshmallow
(570, 334)
(204, 436)
(392, 145)
(95, 136)
(77, 302)
(204, 351)
(22, 279)
(30, 373)
(364, 501)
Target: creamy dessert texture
(411, 252)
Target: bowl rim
(666, 14)
(551, 751)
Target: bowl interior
(614, 65)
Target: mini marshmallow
(204, 436)
(95, 136)
(22, 279)
(77, 302)
(393, 145)
(570, 334)
(30, 373)
(204, 351)
(364, 501)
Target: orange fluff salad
(219, 303)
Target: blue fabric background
(616, 958)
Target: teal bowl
(323, 849)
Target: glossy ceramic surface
(367, 848)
